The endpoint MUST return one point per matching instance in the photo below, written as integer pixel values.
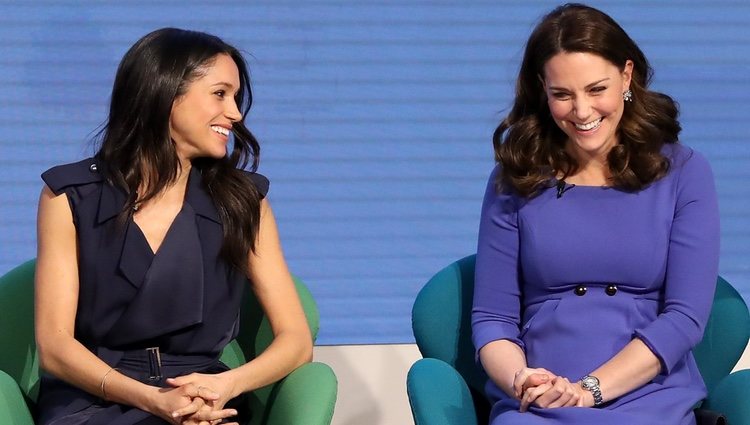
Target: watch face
(589, 382)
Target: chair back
(19, 358)
(441, 321)
(255, 335)
(18, 355)
(725, 336)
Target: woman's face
(584, 94)
(202, 118)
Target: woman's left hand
(204, 416)
(559, 392)
(220, 384)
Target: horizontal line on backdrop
(300, 102)
(406, 41)
(522, 23)
(385, 235)
(338, 81)
(307, 81)
(323, 63)
(338, 4)
(327, 120)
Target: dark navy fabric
(184, 298)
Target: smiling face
(585, 97)
(202, 118)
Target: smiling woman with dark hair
(599, 239)
(144, 250)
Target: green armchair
(446, 387)
(307, 396)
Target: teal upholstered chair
(307, 396)
(446, 387)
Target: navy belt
(152, 366)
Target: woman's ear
(627, 74)
(541, 80)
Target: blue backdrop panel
(375, 120)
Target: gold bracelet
(104, 381)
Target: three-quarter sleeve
(497, 304)
(692, 266)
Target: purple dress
(572, 279)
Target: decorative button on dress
(183, 299)
(572, 279)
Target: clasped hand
(544, 389)
(201, 399)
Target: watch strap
(591, 383)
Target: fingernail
(174, 414)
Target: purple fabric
(659, 247)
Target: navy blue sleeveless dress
(151, 315)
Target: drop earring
(627, 95)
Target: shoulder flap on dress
(78, 173)
(260, 181)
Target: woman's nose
(232, 112)
(582, 108)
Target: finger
(531, 394)
(574, 395)
(535, 379)
(526, 399)
(551, 395)
(212, 415)
(561, 401)
(222, 414)
(179, 381)
(566, 393)
(521, 381)
(208, 393)
(193, 390)
(191, 408)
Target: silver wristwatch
(591, 383)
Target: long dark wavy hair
(529, 144)
(135, 144)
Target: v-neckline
(153, 251)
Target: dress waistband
(153, 366)
(591, 289)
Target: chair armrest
(306, 396)
(13, 408)
(729, 397)
(439, 395)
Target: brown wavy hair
(529, 144)
(136, 147)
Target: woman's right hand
(207, 416)
(188, 399)
(558, 392)
(529, 377)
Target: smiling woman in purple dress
(144, 250)
(598, 242)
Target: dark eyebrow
(222, 83)
(228, 86)
(588, 86)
